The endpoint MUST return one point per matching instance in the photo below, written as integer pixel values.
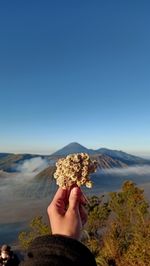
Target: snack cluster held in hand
(74, 170)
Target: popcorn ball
(74, 170)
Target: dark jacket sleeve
(58, 250)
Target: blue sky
(74, 71)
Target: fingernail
(75, 191)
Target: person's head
(5, 252)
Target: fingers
(58, 203)
(74, 198)
(60, 195)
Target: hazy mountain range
(106, 158)
(115, 154)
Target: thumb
(74, 198)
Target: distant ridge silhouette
(124, 157)
(73, 147)
(10, 161)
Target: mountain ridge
(9, 161)
(74, 147)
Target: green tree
(128, 231)
(36, 228)
(98, 213)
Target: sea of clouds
(131, 170)
(19, 191)
(15, 184)
(27, 194)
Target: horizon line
(140, 153)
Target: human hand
(66, 212)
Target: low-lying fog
(22, 196)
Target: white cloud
(138, 170)
(34, 165)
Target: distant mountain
(9, 161)
(4, 154)
(106, 157)
(73, 147)
(123, 156)
(46, 173)
(126, 158)
(106, 162)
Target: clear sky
(74, 70)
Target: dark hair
(6, 248)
